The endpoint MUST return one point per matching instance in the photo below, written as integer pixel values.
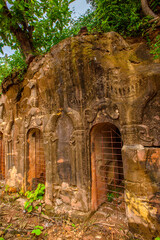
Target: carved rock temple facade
(88, 94)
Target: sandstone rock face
(81, 83)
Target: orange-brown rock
(51, 122)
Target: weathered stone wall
(83, 81)
(142, 173)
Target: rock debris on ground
(16, 223)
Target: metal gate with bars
(36, 172)
(107, 166)
(2, 158)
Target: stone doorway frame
(2, 158)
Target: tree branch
(23, 36)
(146, 9)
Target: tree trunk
(24, 37)
(26, 45)
(146, 9)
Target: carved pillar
(81, 163)
(142, 177)
(73, 159)
(5, 156)
(20, 149)
(132, 97)
(50, 148)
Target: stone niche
(49, 123)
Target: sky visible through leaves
(78, 7)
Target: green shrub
(122, 16)
(10, 64)
(155, 48)
(33, 196)
(37, 230)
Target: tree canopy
(33, 25)
(128, 17)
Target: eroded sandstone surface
(47, 124)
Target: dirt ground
(16, 223)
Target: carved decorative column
(50, 148)
(73, 159)
(132, 94)
(20, 149)
(81, 163)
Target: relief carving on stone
(151, 118)
(103, 107)
(47, 101)
(121, 86)
(1, 111)
(137, 134)
(10, 123)
(72, 139)
(34, 118)
(52, 136)
(143, 133)
(131, 93)
(23, 107)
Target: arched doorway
(2, 158)
(106, 165)
(35, 166)
(64, 131)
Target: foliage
(6, 188)
(111, 196)
(1, 238)
(13, 63)
(157, 238)
(40, 21)
(88, 20)
(122, 16)
(47, 22)
(37, 230)
(21, 192)
(155, 48)
(33, 196)
(154, 4)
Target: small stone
(1, 233)
(8, 236)
(21, 201)
(65, 199)
(98, 237)
(48, 207)
(39, 209)
(59, 201)
(65, 185)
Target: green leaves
(33, 196)
(13, 63)
(37, 230)
(122, 16)
(155, 49)
(40, 21)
